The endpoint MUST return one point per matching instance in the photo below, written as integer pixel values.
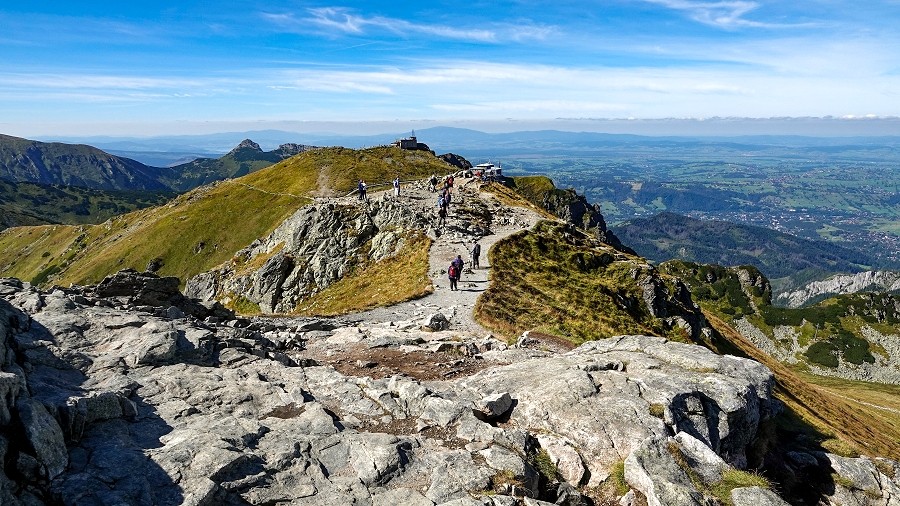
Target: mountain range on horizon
(164, 150)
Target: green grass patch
(617, 478)
(242, 305)
(735, 478)
(658, 410)
(545, 466)
(399, 278)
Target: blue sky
(144, 68)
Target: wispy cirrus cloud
(722, 14)
(95, 81)
(346, 21)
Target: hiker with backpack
(458, 262)
(476, 252)
(454, 272)
(453, 275)
(397, 187)
(446, 195)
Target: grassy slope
(533, 188)
(237, 163)
(223, 218)
(511, 197)
(546, 280)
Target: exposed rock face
(886, 281)
(163, 411)
(786, 346)
(248, 145)
(132, 288)
(310, 250)
(874, 482)
(290, 149)
(456, 161)
(575, 209)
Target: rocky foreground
(109, 397)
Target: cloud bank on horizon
(182, 67)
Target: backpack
(451, 271)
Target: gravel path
(454, 240)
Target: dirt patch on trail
(385, 362)
(548, 342)
(323, 184)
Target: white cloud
(88, 81)
(457, 90)
(346, 21)
(542, 107)
(722, 14)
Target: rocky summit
(108, 402)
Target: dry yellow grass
(393, 280)
(512, 198)
(547, 280)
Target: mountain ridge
(23, 160)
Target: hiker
(476, 252)
(361, 187)
(458, 262)
(397, 187)
(442, 217)
(446, 197)
(432, 183)
(453, 275)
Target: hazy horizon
(669, 127)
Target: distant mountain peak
(247, 144)
(290, 149)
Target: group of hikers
(454, 271)
(443, 201)
(362, 188)
(445, 195)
